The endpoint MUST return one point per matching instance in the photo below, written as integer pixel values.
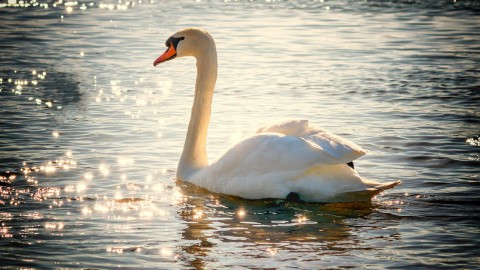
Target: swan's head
(188, 42)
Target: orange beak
(169, 54)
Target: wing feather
(339, 149)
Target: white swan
(291, 159)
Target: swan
(286, 160)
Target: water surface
(91, 133)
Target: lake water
(91, 133)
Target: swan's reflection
(261, 228)
(193, 212)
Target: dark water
(91, 133)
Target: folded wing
(340, 150)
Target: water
(91, 133)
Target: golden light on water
(300, 219)
(121, 178)
(197, 214)
(49, 168)
(178, 197)
(241, 213)
(396, 203)
(4, 232)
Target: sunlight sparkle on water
(148, 178)
(197, 214)
(118, 195)
(165, 87)
(123, 178)
(125, 161)
(48, 169)
(475, 141)
(104, 169)
(54, 226)
(86, 210)
(178, 197)
(157, 188)
(69, 188)
(166, 252)
(81, 187)
(120, 250)
(300, 219)
(272, 251)
(4, 232)
(88, 176)
(241, 213)
(115, 250)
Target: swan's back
(340, 149)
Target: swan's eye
(173, 41)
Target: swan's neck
(194, 156)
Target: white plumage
(282, 158)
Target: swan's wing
(337, 147)
(271, 165)
(260, 166)
(270, 152)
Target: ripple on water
(90, 133)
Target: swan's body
(280, 159)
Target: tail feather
(379, 186)
(373, 188)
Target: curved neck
(194, 156)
